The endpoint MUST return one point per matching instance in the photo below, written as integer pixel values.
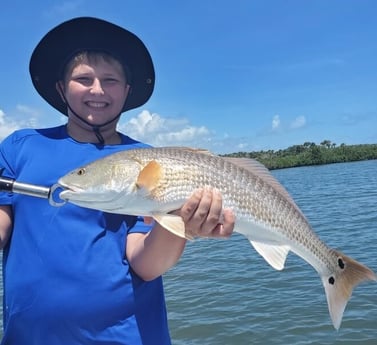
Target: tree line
(311, 153)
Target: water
(223, 292)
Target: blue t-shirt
(66, 279)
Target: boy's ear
(60, 88)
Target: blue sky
(231, 76)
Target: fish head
(99, 184)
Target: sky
(231, 76)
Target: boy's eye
(110, 80)
(84, 80)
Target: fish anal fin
(275, 255)
(339, 286)
(172, 223)
(150, 176)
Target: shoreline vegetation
(311, 153)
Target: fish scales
(155, 181)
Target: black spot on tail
(331, 280)
(341, 263)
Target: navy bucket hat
(86, 33)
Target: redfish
(155, 181)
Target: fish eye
(81, 172)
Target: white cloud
(275, 122)
(23, 117)
(278, 125)
(27, 110)
(30, 114)
(242, 146)
(6, 126)
(159, 131)
(298, 122)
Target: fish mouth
(59, 194)
(65, 191)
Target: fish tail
(340, 284)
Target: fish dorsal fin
(172, 223)
(248, 163)
(275, 255)
(196, 150)
(262, 172)
(150, 176)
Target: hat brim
(87, 33)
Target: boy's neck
(87, 135)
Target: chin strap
(96, 128)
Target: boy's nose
(96, 87)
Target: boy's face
(96, 90)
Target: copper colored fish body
(154, 181)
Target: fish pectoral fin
(172, 223)
(149, 177)
(275, 255)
